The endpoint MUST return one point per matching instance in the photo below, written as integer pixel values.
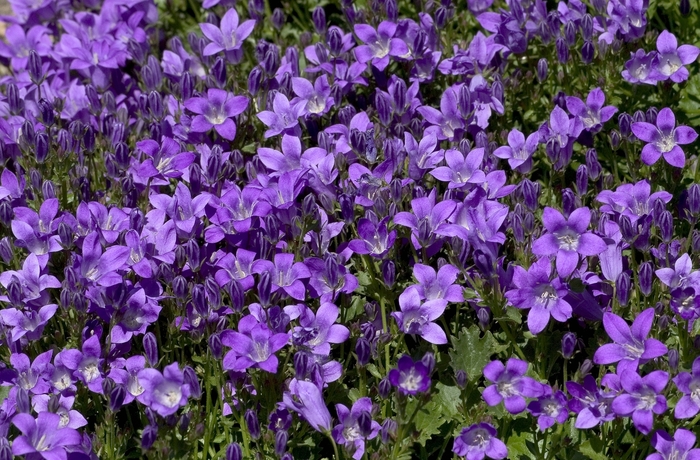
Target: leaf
(587, 450)
(690, 98)
(470, 352)
(518, 448)
(449, 399)
(428, 420)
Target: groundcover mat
(377, 230)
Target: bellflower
(549, 408)
(592, 404)
(479, 441)
(417, 317)
(375, 240)
(446, 121)
(679, 447)
(461, 171)
(681, 275)
(285, 274)
(410, 377)
(70, 418)
(86, 365)
(33, 283)
(688, 383)
(165, 161)
(102, 268)
(632, 200)
(229, 36)
(567, 239)
(639, 68)
(317, 331)
(631, 346)
(283, 118)
(510, 385)
(43, 437)
(164, 393)
(349, 433)
(519, 150)
(216, 111)
(306, 399)
(440, 285)
(671, 59)
(425, 219)
(664, 139)
(181, 208)
(316, 98)
(32, 377)
(643, 398)
(254, 345)
(29, 323)
(545, 297)
(592, 114)
(380, 44)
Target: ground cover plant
(374, 229)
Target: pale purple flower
(306, 399)
(671, 59)
(689, 384)
(181, 207)
(631, 347)
(286, 275)
(567, 239)
(375, 240)
(416, 317)
(229, 36)
(43, 437)
(164, 393)
(639, 68)
(254, 345)
(447, 121)
(348, 432)
(29, 323)
(316, 98)
(680, 447)
(545, 297)
(593, 114)
(681, 275)
(440, 285)
(70, 418)
(632, 200)
(284, 117)
(33, 283)
(643, 398)
(510, 385)
(479, 441)
(422, 155)
(216, 111)
(592, 404)
(549, 408)
(86, 364)
(32, 377)
(426, 218)
(317, 331)
(664, 139)
(519, 150)
(380, 44)
(461, 171)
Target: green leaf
(588, 450)
(449, 399)
(374, 371)
(428, 420)
(690, 98)
(518, 448)
(470, 352)
(4, 391)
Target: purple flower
(592, 404)
(631, 346)
(461, 171)
(229, 36)
(426, 218)
(318, 331)
(166, 160)
(680, 447)
(380, 44)
(290, 158)
(549, 408)
(592, 114)
(181, 208)
(479, 441)
(664, 139)
(688, 383)
(284, 117)
(681, 275)
(43, 437)
(440, 285)
(543, 297)
(643, 398)
(417, 317)
(86, 365)
(632, 200)
(216, 111)
(30, 377)
(410, 377)
(164, 393)
(639, 68)
(238, 268)
(254, 345)
(285, 274)
(29, 323)
(375, 240)
(671, 59)
(567, 239)
(134, 317)
(446, 121)
(519, 150)
(33, 283)
(349, 433)
(316, 99)
(510, 385)
(422, 156)
(306, 399)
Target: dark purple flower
(680, 447)
(43, 437)
(216, 111)
(349, 433)
(417, 317)
(306, 399)
(510, 385)
(688, 383)
(631, 346)
(664, 139)
(567, 239)
(592, 404)
(410, 377)
(535, 290)
(643, 398)
(479, 441)
(102, 268)
(164, 393)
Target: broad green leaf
(449, 399)
(588, 450)
(518, 448)
(471, 352)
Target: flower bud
(645, 278)
(384, 388)
(215, 346)
(568, 345)
(673, 358)
(281, 438)
(562, 50)
(623, 287)
(251, 421)
(6, 252)
(149, 436)
(363, 350)
(116, 398)
(587, 52)
(665, 225)
(192, 380)
(585, 368)
(388, 430)
(150, 347)
(319, 19)
(542, 70)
